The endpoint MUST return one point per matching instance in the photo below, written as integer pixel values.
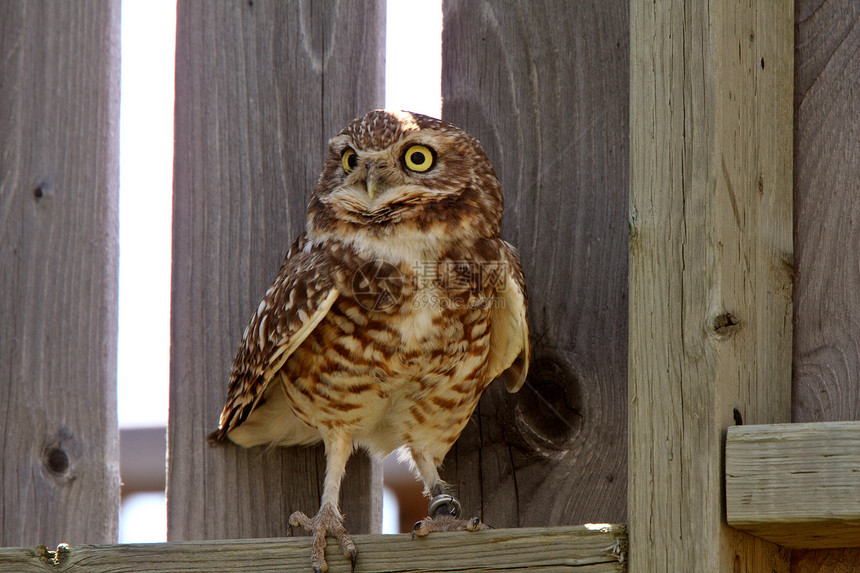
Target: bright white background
(146, 163)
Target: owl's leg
(444, 509)
(328, 520)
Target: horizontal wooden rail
(795, 484)
(593, 548)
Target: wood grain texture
(827, 196)
(260, 88)
(710, 268)
(543, 86)
(576, 549)
(795, 484)
(59, 179)
(827, 235)
(825, 560)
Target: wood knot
(41, 190)
(725, 325)
(58, 454)
(57, 460)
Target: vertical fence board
(59, 178)
(260, 88)
(710, 268)
(827, 249)
(544, 87)
(827, 188)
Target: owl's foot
(446, 523)
(327, 521)
(445, 514)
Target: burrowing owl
(391, 313)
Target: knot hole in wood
(57, 460)
(58, 454)
(548, 413)
(724, 325)
(41, 190)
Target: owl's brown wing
(294, 305)
(509, 327)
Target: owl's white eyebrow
(372, 155)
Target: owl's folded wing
(294, 305)
(509, 329)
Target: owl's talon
(416, 528)
(447, 522)
(297, 518)
(351, 554)
(327, 521)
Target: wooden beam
(795, 484)
(710, 267)
(260, 88)
(59, 190)
(592, 549)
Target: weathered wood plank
(580, 549)
(544, 87)
(59, 179)
(827, 189)
(260, 87)
(710, 267)
(795, 484)
(827, 239)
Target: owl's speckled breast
(409, 372)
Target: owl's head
(399, 176)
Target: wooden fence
(654, 136)
(59, 177)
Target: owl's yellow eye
(418, 158)
(349, 159)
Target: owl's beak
(372, 185)
(374, 182)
